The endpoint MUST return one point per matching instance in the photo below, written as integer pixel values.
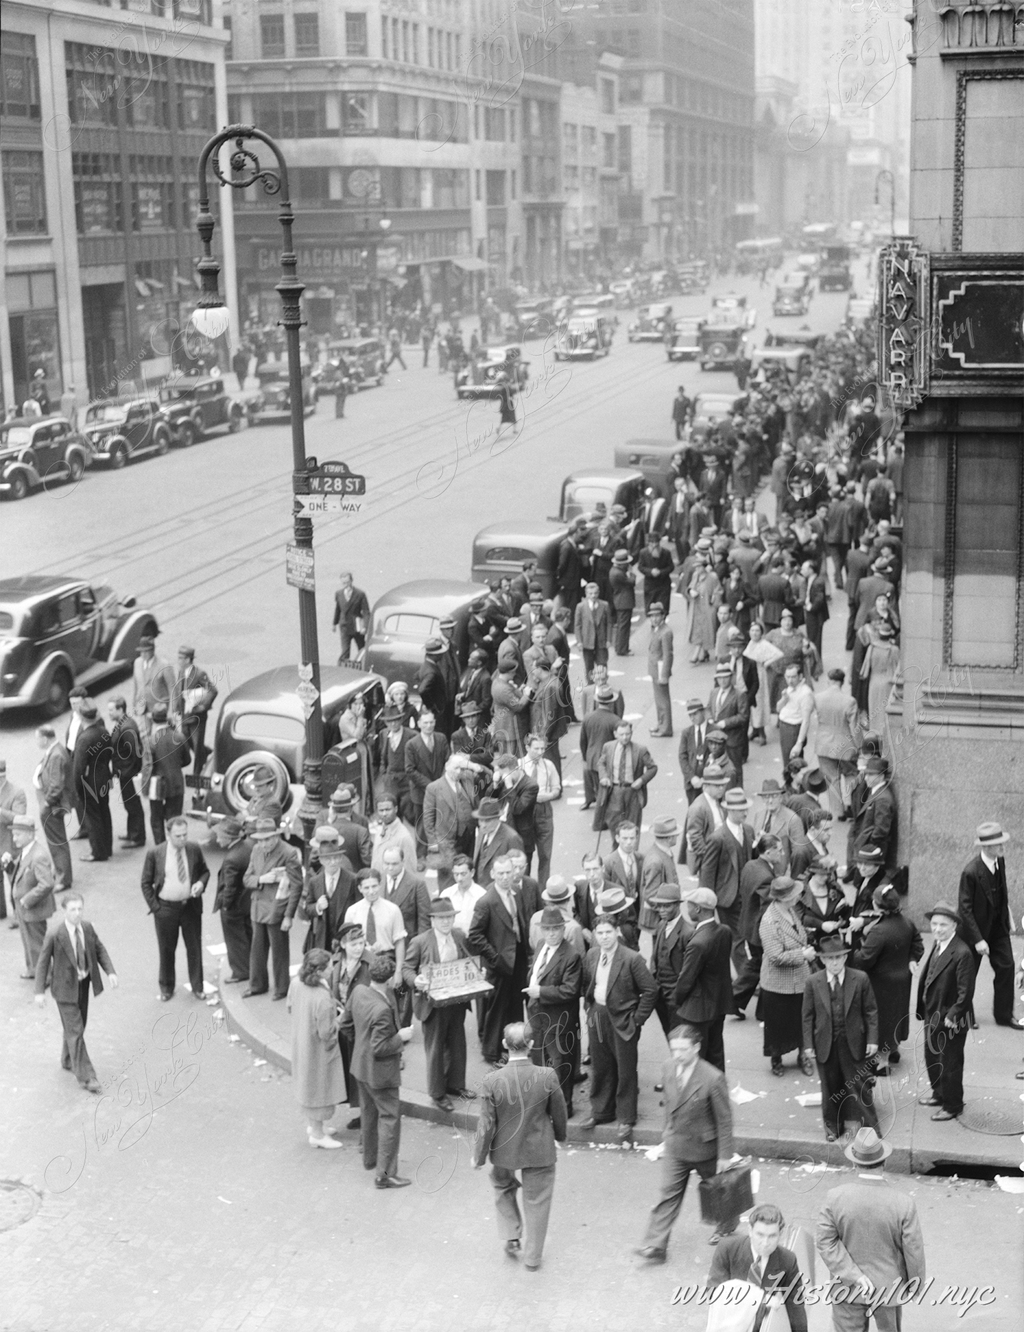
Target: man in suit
(588, 694)
(401, 885)
(620, 995)
(756, 877)
(356, 842)
(693, 749)
(12, 803)
(233, 900)
(727, 850)
(493, 839)
(545, 776)
(274, 878)
(870, 1238)
(659, 666)
(474, 691)
(192, 696)
(90, 773)
(32, 881)
(625, 770)
(670, 939)
(425, 757)
(703, 994)
(876, 821)
(370, 1025)
(944, 996)
(698, 1136)
(858, 565)
(327, 894)
(174, 878)
(760, 1259)
(815, 602)
(985, 918)
(703, 817)
(448, 814)
(778, 820)
(552, 994)
(388, 830)
(840, 1027)
(69, 963)
(126, 763)
(444, 1028)
(572, 568)
(52, 780)
(774, 595)
(597, 730)
(522, 1115)
(351, 616)
(152, 682)
(729, 711)
(391, 748)
(517, 795)
(624, 865)
(659, 865)
(622, 595)
(836, 741)
(500, 935)
(432, 685)
(164, 761)
(592, 627)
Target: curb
(778, 1145)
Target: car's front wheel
(186, 434)
(18, 486)
(119, 455)
(161, 442)
(58, 687)
(76, 467)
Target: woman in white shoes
(317, 1072)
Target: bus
(753, 255)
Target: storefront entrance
(106, 341)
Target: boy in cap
(840, 1030)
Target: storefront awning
(470, 265)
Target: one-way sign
(311, 504)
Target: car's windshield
(15, 437)
(106, 411)
(174, 393)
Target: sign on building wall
(903, 326)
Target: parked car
(490, 370)
(262, 723)
(767, 363)
(652, 457)
(650, 323)
(276, 395)
(193, 406)
(57, 632)
(365, 359)
(534, 318)
(716, 406)
(499, 551)
(790, 300)
(39, 451)
(119, 430)
(403, 619)
(583, 491)
(685, 344)
(584, 337)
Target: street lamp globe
(385, 224)
(210, 321)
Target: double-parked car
(193, 406)
(40, 451)
(650, 324)
(57, 632)
(275, 398)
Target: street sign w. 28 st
(335, 478)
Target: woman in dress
(882, 612)
(793, 650)
(784, 972)
(705, 595)
(317, 1073)
(351, 968)
(738, 600)
(878, 669)
(890, 948)
(762, 654)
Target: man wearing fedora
(233, 900)
(730, 712)
(945, 993)
(152, 682)
(703, 994)
(90, 774)
(164, 759)
(768, 862)
(474, 691)
(620, 995)
(174, 878)
(426, 753)
(588, 694)
(592, 627)
(659, 862)
(622, 594)
(728, 849)
(659, 664)
(274, 878)
(876, 820)
(870, 1239)
(985, 918)
(552, 994)
(613, 902)
(597, 730)
(352, 830)
(31, 873)
(703, 817)
(392, 743)
(778, 820)
(840, 1031)
(693, 749)
(625, 770)
(670, 939)
(432, 686)
(557, 893)
(499, 935)
(494, 838)
(444, 1027)
(472, 735)
(327, 893)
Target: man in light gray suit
(31, 872)
(592, 626)
(837, 741)
(870, 1239)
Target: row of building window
(579, 137)
(404, 42)
(104, 85)
(317, 115)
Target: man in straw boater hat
(944, 995)
(984, 911)
(870, 1238)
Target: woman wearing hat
(317, 1073)
(761, 654)
(890, 948)
(793, 649)
(704, 594)
(351, 968)
(821, 907)
(869, 634)
(785, 969)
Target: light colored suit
(12, 802)
(152, 683)
(868, 1228)
(32, 894)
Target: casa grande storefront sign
(323, 260)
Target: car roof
(33, 420)
(526, 530)
(668, 446)
(31, 586)
(278, 686)
(428, 594)
(612, 475)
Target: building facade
(104, 112)
(951, 355)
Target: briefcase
(156, 788)
(725, 1195)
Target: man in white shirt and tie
(381, 921)
(174, 877)
(69, 963)
(549, 788)
(444, 1027)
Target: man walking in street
(164, 760)
(522, 1115)
(91, 777)
(659, 666)
(622, 593)
(152, 682)
(174, 878)
(840, 1029)
(192, 696)
(870, 1238)
(698, 1136)
(69, 963)
(370, 1025)
(836, 741)
(592, 627)
(351, 616)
